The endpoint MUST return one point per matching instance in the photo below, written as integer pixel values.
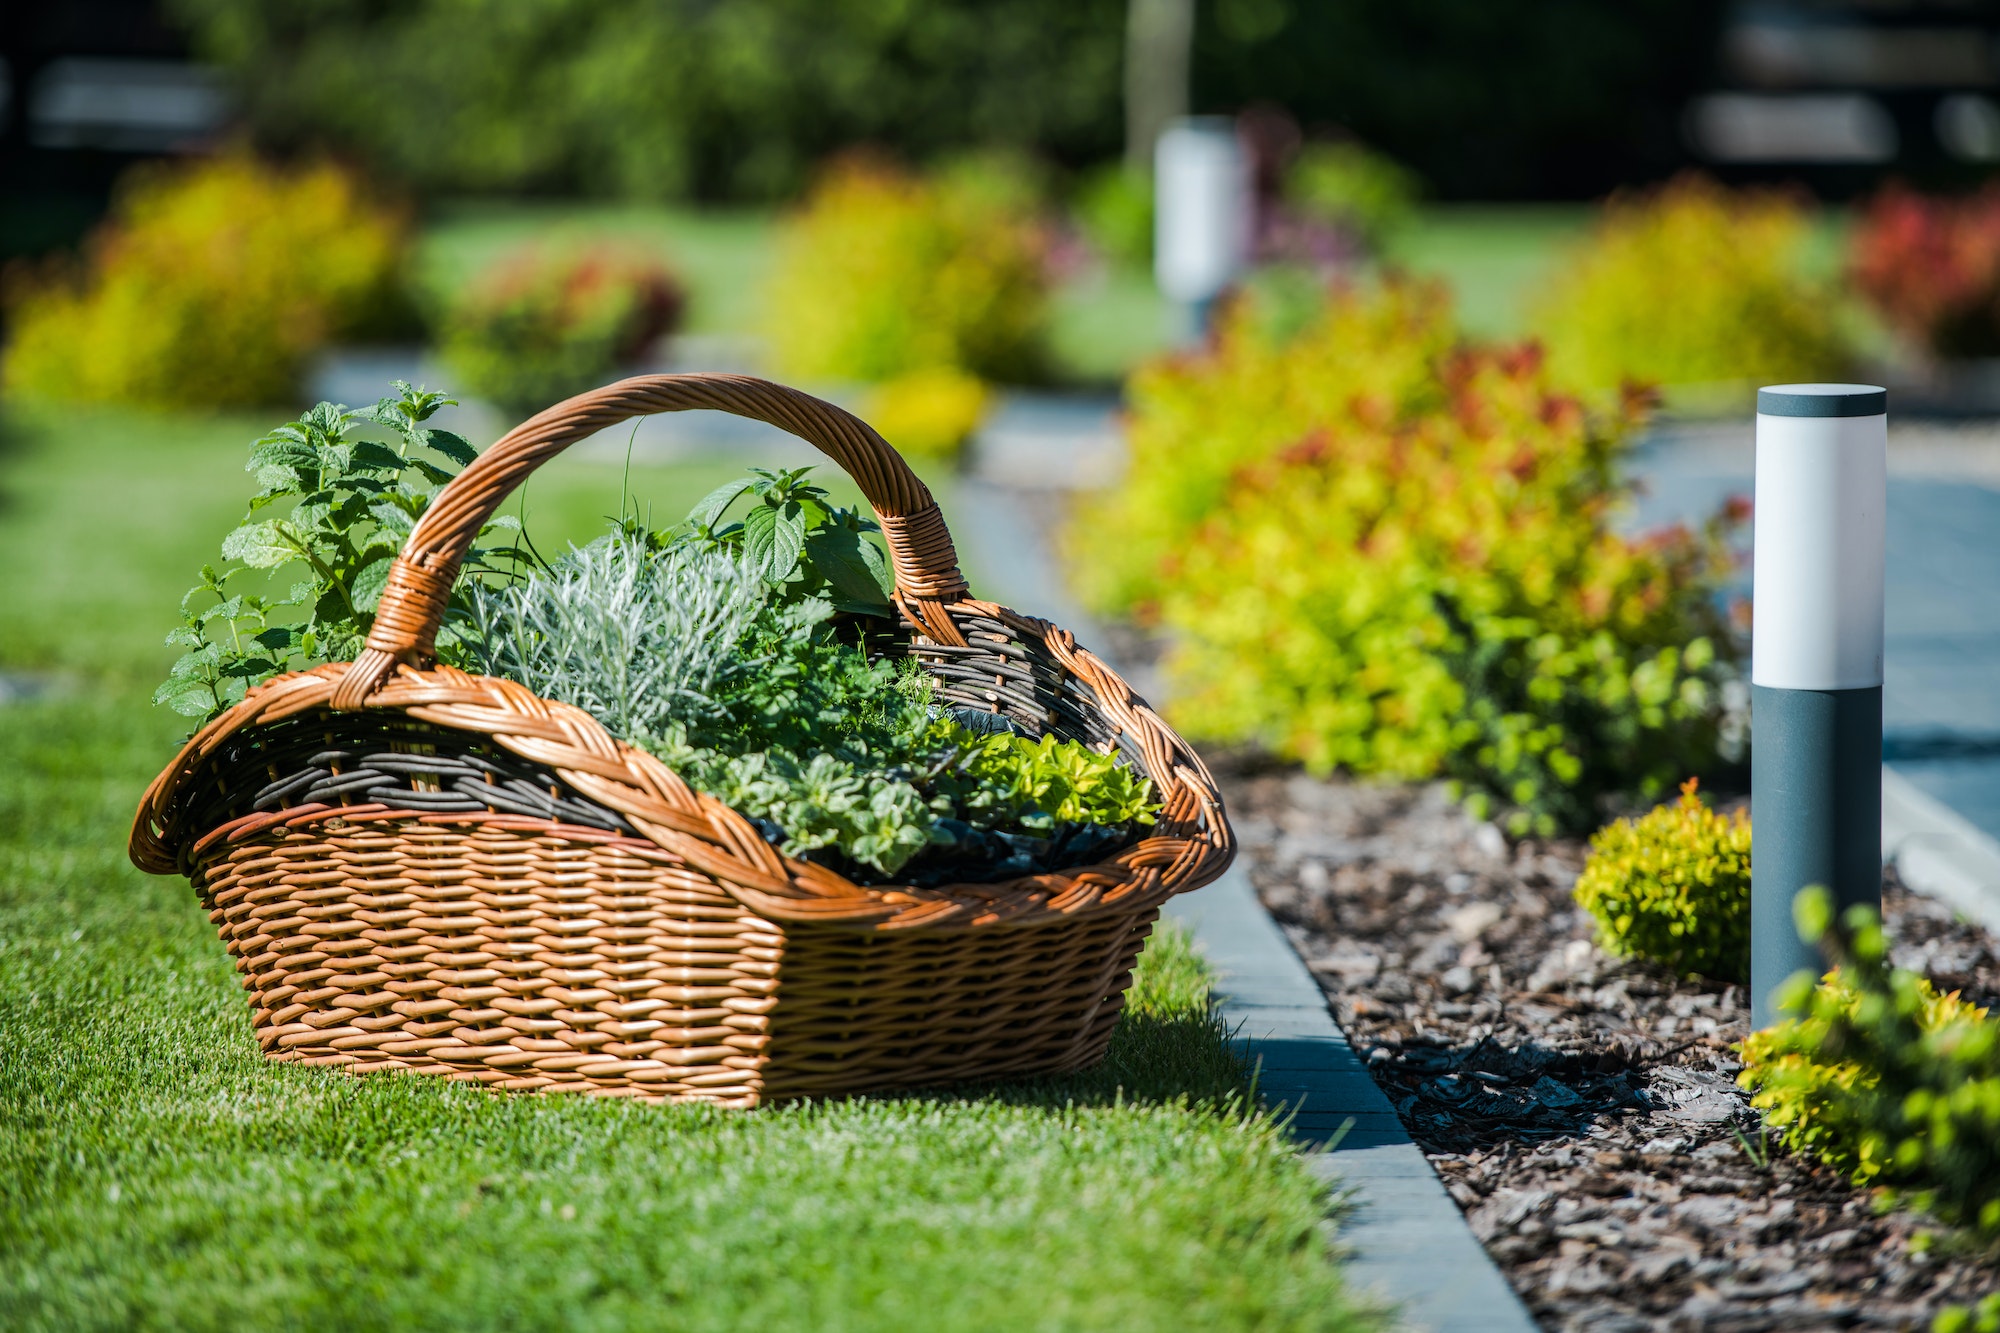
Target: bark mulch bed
(1583, 1109)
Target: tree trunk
(1158, 36)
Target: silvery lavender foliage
(641, 639)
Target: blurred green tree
(665, 98)
(739, 98)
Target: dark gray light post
(1815, 665)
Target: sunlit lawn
(1104, 320)
(156, 1173)
(1102, 323)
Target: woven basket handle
(413, 603)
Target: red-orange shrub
(1931, 266)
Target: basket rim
(1192, 844)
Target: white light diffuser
(1202, 204)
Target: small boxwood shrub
(1931, 267)
(543, 323)
(1881, 1076)
(883, 272)
(1693, 284)
(208, 286)
(1377, 549)
(1674, 886)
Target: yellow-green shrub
(883, 272)
(1379, 550)
(1981, 1318)
(1881, 1076)
(1674, 886)
(1114, 210)
(1692, 284)
(928, 413)
(1368, 356)
(208, 285)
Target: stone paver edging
(1408, 1244)
(1939, 852)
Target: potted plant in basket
(726, 811)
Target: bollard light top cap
(1823, 400)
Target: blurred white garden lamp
(1815, 665)
(1201, 215)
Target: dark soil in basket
(1583, 1109)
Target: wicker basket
(419, 869)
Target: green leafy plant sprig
(1882, 1077)
(1040, 783)
(796, 539)
(353, 501)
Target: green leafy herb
(1048, 781)
(684, 644)
(796, 540)
(336, 507)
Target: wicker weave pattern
(533, 956)
(601, 927)
(499, 950)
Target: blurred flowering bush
(1931, 266)
(543, 323)
(1346, 188)
(1195, 421)
(928, 413)
(1693, 284)
(1376, 548)
(208, 286)
(883, 272)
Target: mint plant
(796, 540)
(335, 507)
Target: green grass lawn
(1497, 257)
(1099, 326)
(156, 1173)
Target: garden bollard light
(1201, 213)
(1815, 665)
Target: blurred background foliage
(883, 272)
(209, 285)
(1484, 99)
(1699, 286)
(661, 99)
(666, 99)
